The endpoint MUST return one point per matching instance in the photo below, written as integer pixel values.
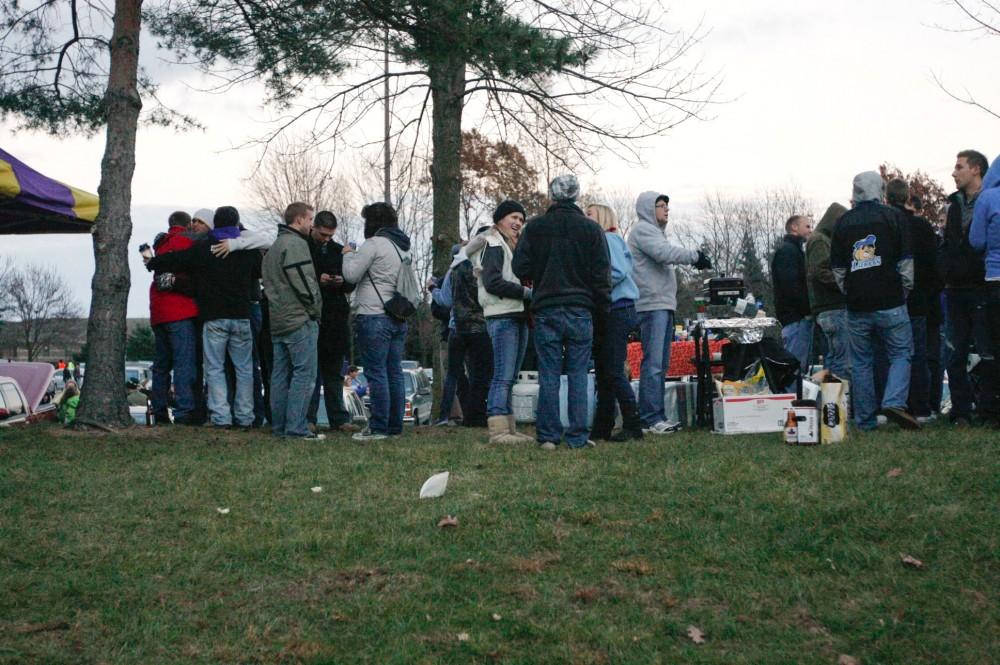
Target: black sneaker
(901, 418)
(625, 436)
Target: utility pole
(385, 147)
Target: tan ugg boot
(512, 428)
(500, 431)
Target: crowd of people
(264, 324)
(900, 300)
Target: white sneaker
(662, 427)
(368, 435)
(923, 420)
(881, 420)
(547, 445)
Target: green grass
(112, 550)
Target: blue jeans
(232, 338)
(293, 379)
(920, 374)
(967, 330)
(892, 326)
(838, 343)
(380, 339)
(509, 337)
(656, 332)
(177, 350)
(797, 340)
(563, 338)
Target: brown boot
(500, 430)
(512, 428)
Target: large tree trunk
(103, 401)
(447, 79)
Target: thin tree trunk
(103, 401)
(447, 79)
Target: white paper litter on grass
(317, 489)
(434, 486)
(222, 511)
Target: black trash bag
(781, 368)
(740, 361)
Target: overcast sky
(815, 92)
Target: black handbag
(397, 307)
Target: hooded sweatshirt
(378, 260)
(984, 234)
(870, 251)
(824, 294)
(655, 258)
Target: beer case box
(807, 423)
(833, 411)
(751, 414)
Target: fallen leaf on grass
(496, 617)
(894, 473)
(696, 635)
(638, 566)
(463, 637)
(910, 561)
(847, 660)
(448, 520)
(317, 489)
(222, 511)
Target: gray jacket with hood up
(655, 258)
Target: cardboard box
(751, 415)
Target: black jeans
(455, 382)
(968, 330)
(935, 365)
(990, 386)
(479, 362)
(610, 350)
(333, 349)
(918, 401)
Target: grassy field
(113, 550)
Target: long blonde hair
(604, 216)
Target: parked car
(417, 393)
(139, 372)
(353, 404)
(23, 390)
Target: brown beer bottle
(791, 428)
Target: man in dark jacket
(826, 300)
(334, 325)
(791, 294)
(222, 289)
(926, 289)
(564, 255)
(964, 276)
(871, 259)
(173, 315)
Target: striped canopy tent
(32, 203)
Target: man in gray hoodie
(654, 274)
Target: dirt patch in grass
(638, 566)
(535, 563)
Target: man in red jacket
(173, 315)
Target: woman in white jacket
(502, 298)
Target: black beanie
(226, 216)
(506, 208)
(662, 197)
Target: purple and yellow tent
(33, 203)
